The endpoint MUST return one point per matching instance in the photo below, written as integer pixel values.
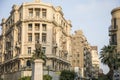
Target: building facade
(95, 61)
(27, 24)
(114, 31)
(81, 55)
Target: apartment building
(27, 24)
(81, 55)
(114, 30)
(95, 61)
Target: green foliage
(108, 57)
(25, 78)
(47, 77)
(1, 79)
(67, 75)
(103, 77)
(94, 79)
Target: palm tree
(108, 57)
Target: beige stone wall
(81, 56)
(95, 61)
(15, 30)
(116, 15)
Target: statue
(38, 50)
(38, 45)
(38, 53)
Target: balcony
(113, 43)
(113, 28)
(35, 18)
(112, 33)
(57, 57)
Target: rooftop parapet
(115, 9)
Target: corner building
(28, 23)
(114, 31)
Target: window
(114, 39)
(30, 37)
(78, 55)
(115, 23)
(53, 16)
(19, 33)
(29, 50)
(8, 45)
(44, 13)
(37, 27)
(29, 27)
(28, 63)
(44, 37)
(30, 12)
(78, 61)
(0, 59)
(44, 49)
(36, 36)
(44, 27)
(37, 12)
(73, 61)
(20, 16)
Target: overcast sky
(92, 16)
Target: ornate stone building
(81, 55)
(95, 61)
(114, 31)
(28, 23)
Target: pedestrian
(78, 78)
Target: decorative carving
(55, 45)
(17, 45)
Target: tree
(25, 78)
(102, 77)
(67, 75)
(47, 77)
(108, 57)
(1, 79)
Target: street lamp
(48, 69)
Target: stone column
(37, 69)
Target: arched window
(28, 63)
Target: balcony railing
(112, 33)
(35, 18)
(113, 43)
(113, 28)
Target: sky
(93, 17)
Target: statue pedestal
(37, 69)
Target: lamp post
(48, 69)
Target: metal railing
(113, 28)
